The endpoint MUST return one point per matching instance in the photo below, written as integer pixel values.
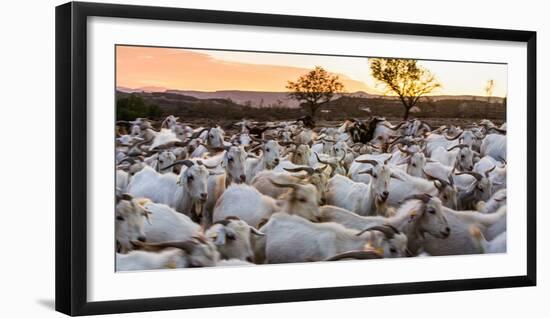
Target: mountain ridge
(262, 99)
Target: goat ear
(413, 215)
(146, 213)
(218, 237)
(230, 234)
(262, 222)
(143, 201)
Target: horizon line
(144, 90)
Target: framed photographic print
(210, 158)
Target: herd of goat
(290, 192)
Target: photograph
(249, 158)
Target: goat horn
(388, 160)
(489, 171)
(394, 127)
(368, 171)
(283, 185)
(140, 143)
(451, 179)
(355, 255)
(255, 148)
(472, 173)
(182, 143)
(188, 163)
(428, 125)
(458, 146)
(325, 162)
(198, 133)
(424, 197)
(502, 131)
(207, 166)
(129, 159)
(407, 151)
(187, 246)
(429, 176)
(388, 230)
(254, 231)
(453, 138)
(373, 146)
(309, 170)
(370, 161)
(396, 140)
(344, 156)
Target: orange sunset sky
(209, 70)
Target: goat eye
(374, 176)
(431, 211)
(445, 197)
(190, 178)
(267, 150)
(393, 250)
(462, 156)
(302, 200)
(120, 218)
(414, 164)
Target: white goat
(248, 204)
(168, 225)
(130, 216)
(268, 160)
(417, 216)
(460, 241)
(360, 198)
(232, 237)
(196, 252)
(291, 238)
(317, 177)
(186, 193)
(494, 145)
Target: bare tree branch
(404, 78)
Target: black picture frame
(71, 157)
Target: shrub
(133, 106)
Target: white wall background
(27, 108)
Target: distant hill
(280, 99)
(216, 105)
(247, 98)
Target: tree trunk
(313, 109)
(407, 110)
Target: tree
(489, 88)
(405, 78)
(315, 89)
(133, 106)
